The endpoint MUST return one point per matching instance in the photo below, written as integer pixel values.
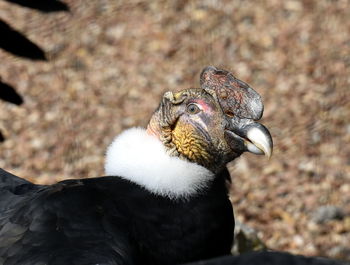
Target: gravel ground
(110, 62)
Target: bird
(164, 197)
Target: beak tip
(268, 155)
(267, 149)
(261, 139)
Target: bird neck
(139, 156)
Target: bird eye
(193, 108)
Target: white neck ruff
(141, 158)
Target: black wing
(13, 190)
(268, 258)
(57, 224)
(9, 181)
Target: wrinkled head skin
(214, 124)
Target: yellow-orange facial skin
(189, 143)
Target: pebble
(340, 252)
(327, 213)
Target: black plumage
(110, 220)
(268, 258)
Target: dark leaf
(42, 5)
(9, 94)
(17, 44)
(2, 138)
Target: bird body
(115, 220)
(165, 199)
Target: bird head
(214, 124)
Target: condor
(164, 199)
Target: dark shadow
(2, 138)
(46, 6)
(17, 44)
(9, 94)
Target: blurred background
(97, 67)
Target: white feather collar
(141, 158)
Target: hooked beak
(250, 136)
